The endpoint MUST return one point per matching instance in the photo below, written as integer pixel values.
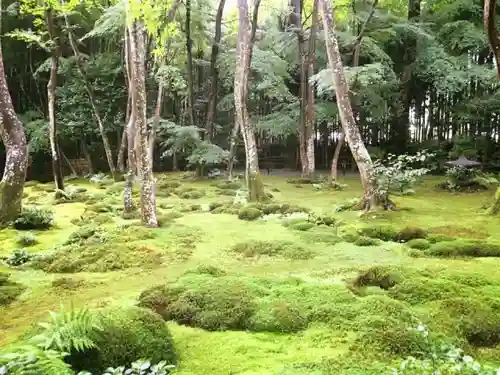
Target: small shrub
(410, 233)
(227, 192)
(100, 207)
(82, 234)
(271, 208)
(419, 290)
(191, 208)
(366, 241)
(419, 244)
(464, 248)
(249, 213)
(9, 290)
(228, 185)
(26, 239)
(168, 184)
(127, 334)
(287, 209)
(34, 218)
(209, 270)
(18, 258)
(168, 218)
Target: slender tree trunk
(51, 94)
(87, 156)
(156, 121)
(243, 60)
(123, 144)
(355, 62)
(214, 72)
(190, 80)
(71, 168)
(120, 165)
(145, 164)
(16, 161)
(92, 98)
(353, 136)
(310, 117)
(232, 149)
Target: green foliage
(68, 330)
(34, 218)
(389, 233)
(18, 258)
(30, 359)
(127, 333)
(366, 241)
(141, 367)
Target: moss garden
(287, 287)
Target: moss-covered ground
(264, 296)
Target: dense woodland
(122, 121)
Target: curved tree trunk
(51, 94)
(16, 161)
(145, 164)
(335, 162)
(87, 156)
(214, 72)
(353, 136)
(243, 60)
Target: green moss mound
(214, 304)
(90, 249)
(249, 213)
(419, 244)
(388, 233)
(128, 334)
(237, 302)
(283, 249)
(9, 290)
(465, 248)
(366, 241)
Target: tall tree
(359, 32)
(145, 164)
(92, 97)
(349, 126)
(214, 72)
(16, 161)
(244, 49)
(55, 53)
(189, 65)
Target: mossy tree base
(256, 191)
(11, 195)
(375, 203)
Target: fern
(66, 331)
(111, 21)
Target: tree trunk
(232, 150)
(353, 136)
(243, 60)
(156, 121)
(92, 98)
(190, 80)
(16, 160)
(123, 144)
(214, 72)
(87, 156)
(335, 162)
(145, 164)
(120, 164)
(71, 168)
(51, 94)
(310, 117)
(355, 62)
(494, 41)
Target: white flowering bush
(398, 174)
(442, 360)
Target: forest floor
(345, 326)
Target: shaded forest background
(421, 76)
